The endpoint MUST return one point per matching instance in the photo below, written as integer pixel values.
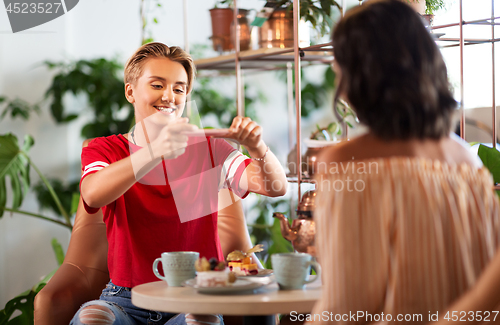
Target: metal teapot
(301, 233)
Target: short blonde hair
(133, 69)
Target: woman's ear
(129, 93)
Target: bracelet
(263, 157)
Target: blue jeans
(118, 300)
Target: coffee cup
(177, 267)
(291, 270)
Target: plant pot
(428, 20)
(277, 31)
(418, 6)
(310, 158)
(244, 30)
(221, 28)
(309, 164)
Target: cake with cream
(213, 273)
(241, 263)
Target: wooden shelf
(268, 58)
(305, 179)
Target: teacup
(177, 267)
(291, 270)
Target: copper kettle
(302, 231)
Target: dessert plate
(240, 285)
(262, 273)
(207, 133)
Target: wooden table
(257, 307)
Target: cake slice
(241, 263)
(213, 273)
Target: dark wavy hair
(392, 72)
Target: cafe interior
(61, 84)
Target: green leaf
(58, 251)
(100, 81)
(15, 165)
(3, 196)
(491, 160)
(65, 193)
(148, 40)
(329, 82)
(75, 200)
(155, 20)
(69, 118)
(279, 243)
(19, 108)
(23, 303)
(326, 7)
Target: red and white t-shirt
(172, 208)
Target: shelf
(267, 58)
(467, 41)
(305, 179)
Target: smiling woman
(161, 88)
(157, 79)
(158, 187)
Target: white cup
(177, 267)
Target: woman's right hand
(171, 142)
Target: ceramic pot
(310, 159)
(244, 30)
(310, 164)
(428, 20)
(277, 31)
(221, 28)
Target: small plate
(207, 133)
(262, 273)
(240, 285)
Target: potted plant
(222, 27)
(277, 31)
(427, 8)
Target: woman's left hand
(246, 132)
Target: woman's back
(447, 150)
(402, 235)
(407, 218)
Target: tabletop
(266, 300)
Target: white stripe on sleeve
(97, 163)
(230, 167)
(95, 166)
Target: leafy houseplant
(17, 108)
(15, 165)
(267, 231)
(430, 5)
(491, 160)
(433, 5)
(100, 81)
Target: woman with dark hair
(408, 218)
